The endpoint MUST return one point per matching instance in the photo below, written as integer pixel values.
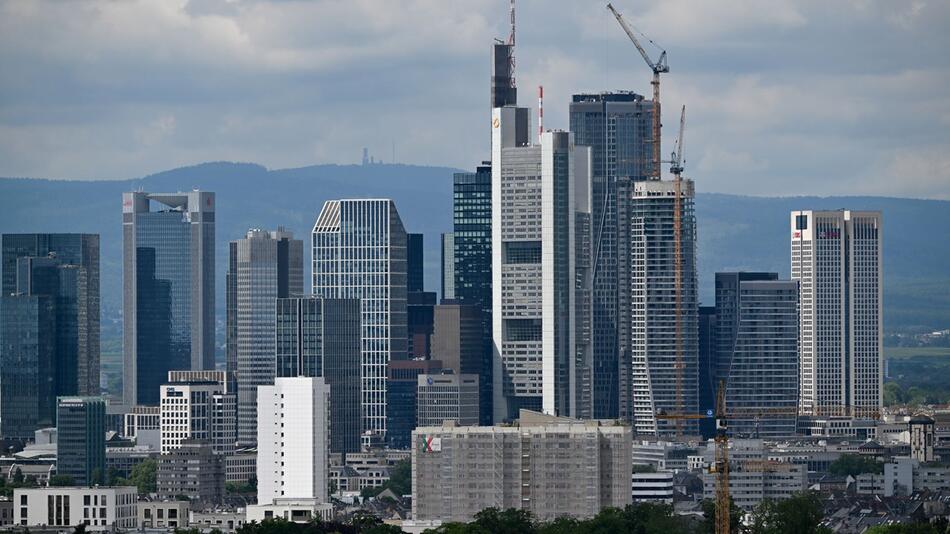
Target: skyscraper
(617, 127)
(458, 342)
(540, 272)
(27, 400)
(266, 266)
(757, 353)
(292, 440)
(415, 262)
(837, 259)
(359, 251)
(401, 396)
(168, 288)
(471, 216)
(80, 439)
(448, 266)
(319, 337)
(651, 380)
(72, 264)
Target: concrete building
(458, 342)
(540, 272)
(197, 405)
(192, 470)
(653, 487)
(471, 231)
(80, 440)
(757, 353)
(141, 418)
(223, 520)
(241, 466)
(650, 379)
(163, 514)
(101, 508)
(837, 259)
(447, 397)
(753, 477)
(293, 510)
(263, 266)
(359, 251)
(292, 440)
(447, 272)
(550, 466)
(921, 438)
(77, 256)
(401, 398)
(618, 129)
(320, 337)
(168, 288)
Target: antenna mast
(511, 41)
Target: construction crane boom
(658, 67)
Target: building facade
(472, 253)
(547, 465)
(100, 508)
(458, 342)
(78, 300)
(263, 267)
(402, 399)
(168, 288)
(192, 470)
(359, 251)
(447, 397)
(653, 379)
(837, 260)
(540, 273)
(292, 440)
(447, 271)
(618, 129)
(320, 337)
(197, 405)
(757, 353)
(80, 440)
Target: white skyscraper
(293, 440)
(836, 257)
(359, 251)
(540, 271)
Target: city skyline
(744, 71)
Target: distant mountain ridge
(735, 232)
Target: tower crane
(658, 67)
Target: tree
(854, 465)
(80, 529)
(61, 480)
(143, 476)
(510, 521)
(911, 528)
(17, 476)
(709, 516)
(799, 514)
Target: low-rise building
(652, 487)
(869, 484)
(295, 510)
(753, 476)
(6, 512)
(123, 459)
(550, 466)
(163, 514)
(98, 508)
(241, 466)
(223, 520)
(194, 471)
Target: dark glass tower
(27, 352)
(319, 337)
(415, 259)
(472, 249)
(617, 127)
(67, 269)
(168, 288)
(80, 441)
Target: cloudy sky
(783, 97)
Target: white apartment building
(541, 274)
(837, 259)
(292, 440)
(98, 508)
(652, 487)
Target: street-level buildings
(100, 508)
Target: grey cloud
(803, 97)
